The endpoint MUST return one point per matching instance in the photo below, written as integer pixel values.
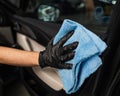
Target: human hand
(57, 55)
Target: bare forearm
(17, 57)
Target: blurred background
(93, 14)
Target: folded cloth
(86, 59)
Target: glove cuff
(41, 60)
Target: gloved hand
(56, 55)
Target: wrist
(41, 59)
(34, 58)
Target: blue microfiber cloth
(86, 59)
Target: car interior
(31, 24)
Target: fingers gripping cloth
(86, 59)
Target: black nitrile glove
(56, 55)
